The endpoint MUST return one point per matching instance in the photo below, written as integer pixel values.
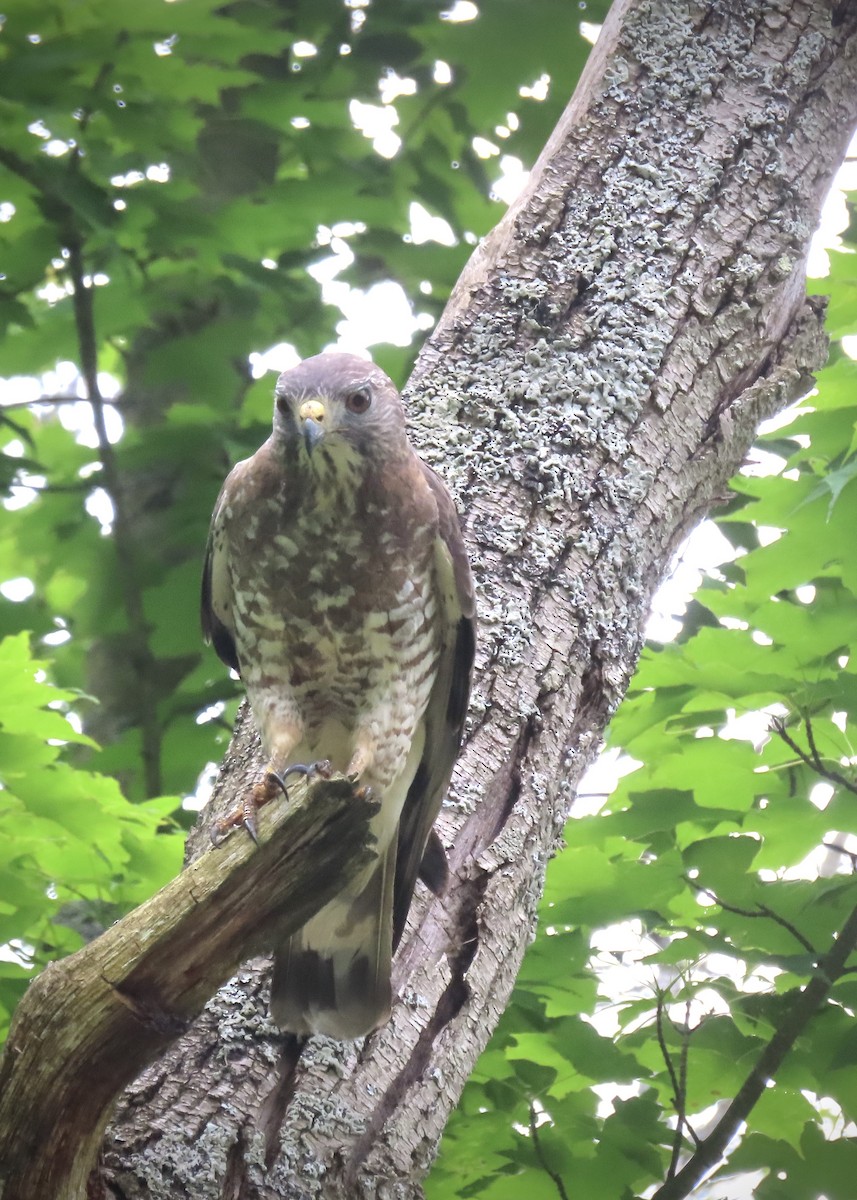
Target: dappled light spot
(428, 228)
(17, 590)
(537, 90)
(462, 10)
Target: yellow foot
(245, 814)
(262, 793)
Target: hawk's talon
(219, 829)
(262, 793)
(249, 823)
(322, 769)
(245, 814)
(279, 780)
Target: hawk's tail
(333, 975)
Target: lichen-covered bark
(594, 383)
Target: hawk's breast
(336, 619)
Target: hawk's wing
(216, 599)
(420, 851)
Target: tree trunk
(595, 381)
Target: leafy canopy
(76, 853)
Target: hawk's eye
(359, 401)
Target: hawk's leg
(361, 762)
(262, 793)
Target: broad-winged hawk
(337, 585)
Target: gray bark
(594, 383)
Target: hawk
(337, 585)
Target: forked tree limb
(89, 1024)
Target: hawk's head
(336, 407)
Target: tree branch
(682, 1072)
(761, 910)
(812, 759)
(555, 1177)
(679, 1082)
(53, 401)
(52, 489)
(849, 854)
(132, 596)
(89, 1024)
(711, 1149)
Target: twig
(807, 1002)
(141, 655)
(761, 910)
(53, 401)
(48, 489)
(537, 1146)
(26, 171)
(667, 1057)
(86, 116)
(810, 738)
(842, 850)
(678, 1102)
(679, 1082)
(682, 1072)
(812, 759)
(24, 434)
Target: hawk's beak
(311, 413)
